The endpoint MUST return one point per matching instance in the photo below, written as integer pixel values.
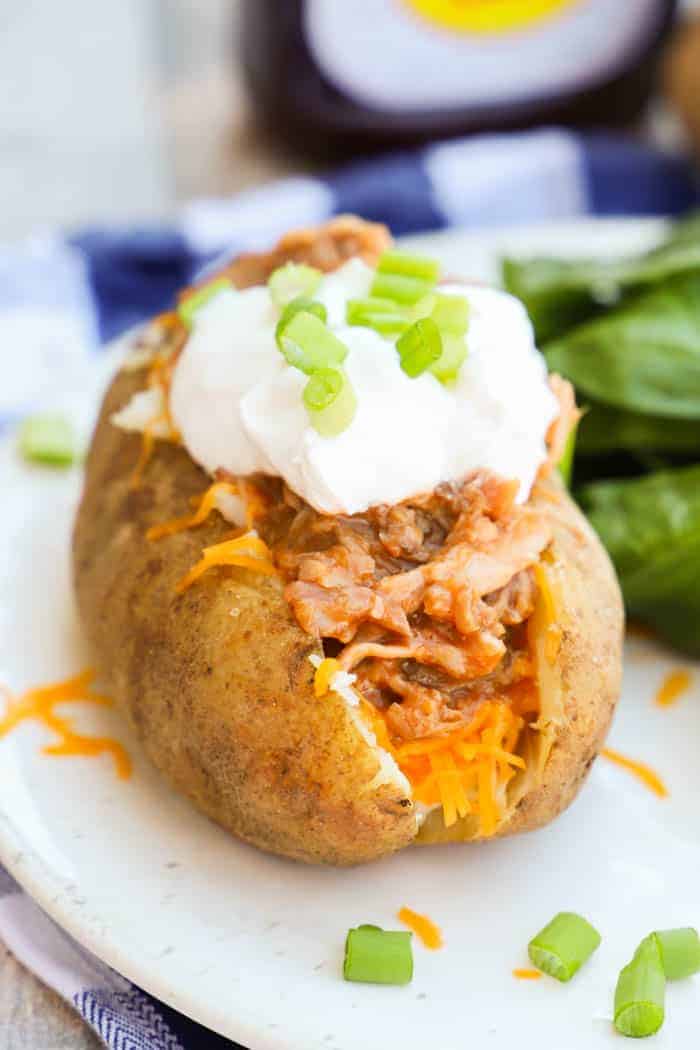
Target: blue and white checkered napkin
(59, 298)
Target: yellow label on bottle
(488, 16)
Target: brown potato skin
(217, 681)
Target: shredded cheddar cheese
(639, 769)
(465, 770)
(673, 686)
(246, 552)
(39, 705)
(423, 927)
(524, 974)
(325, 673)
(205, 505)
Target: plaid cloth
(61, 297)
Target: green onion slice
(382, 315)
(49, 439)
(565, 465)
(400, 288)
(308, 345)
(640, 992)
(453, 356)
(292, 280)
(188, 307)
(409, 266)
(376, 956)
(563, 946)
(451, 313)
(302, 304)
(419, 347)
(330, 401)
(680, 952)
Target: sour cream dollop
(238, 405)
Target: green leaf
(651, 528)
(643, 356)
(604, 429)
(560, 293)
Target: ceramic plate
(252, 945)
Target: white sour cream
(238, 405)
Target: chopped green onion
(48, 439)
(409, 266)
(308, 345)
(188, 307)
(423, 308)
(563, 946)
(419, 347)
(640, 992)
(400, 288)
(680, 952)
(382, 315)
(453, 356)
(565, 465)
(376, 956)
(291, 280)
(299, 305)
(330, 401)
(451, 313)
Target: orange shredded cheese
(246, 552)
(325, 672)
(640, 770)
(462, 770)
(524, 974)
(423, 927)
(39, 705)
(673, 686)
(205, 505)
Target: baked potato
(220, 678)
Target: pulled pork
(424, 601)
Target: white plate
(252, 945)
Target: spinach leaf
(561, 293)
(644, 356)
(651, 527)
(604, 429)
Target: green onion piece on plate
(451, 314)
(382, 315)
(419, 347)
(640, 992)
(376, 956)
(188, 307)
(49, 439)
(453, 356)
(409, 266)
(330, 401)
(680, 952)
(563, 946)
(308, 345)
(291, 280)
(400, 288)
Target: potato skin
(219, 688)
(217, 681)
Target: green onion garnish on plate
(48, 439)
(406, 265)
(420, 347)
(376, 956)
(451, 313)
(302, 304)
(330, 401)
(680, 952)
(403, 278)
(563, 946)
(640, 992)
(307, 344)
(188, 307)
(453, 356)
(291, 280)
